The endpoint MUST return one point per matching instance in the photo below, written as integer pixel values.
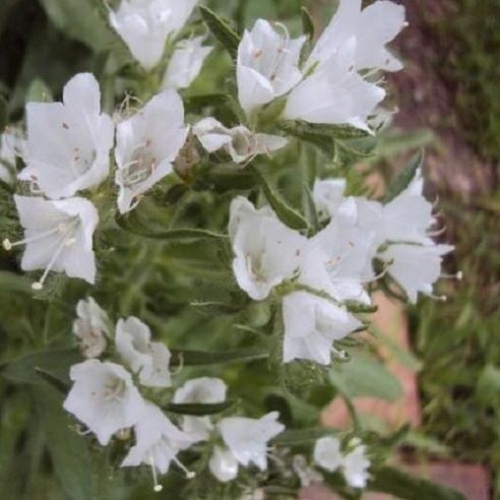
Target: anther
(7, 244)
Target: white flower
(327, 453)
(372, 29)
(266, 252)
(202, 390)
(239, 142)
(150, 360)
(311, 325)
(267, 65)
(145, 26)
(186, 63)
(355, 465)
(328, 195)
(146, 146)
(91, 328)
(335, 93)
(157, 443)
(104, 398)
(246, 440)
(11, 146)
(68, 143)
(223, 465)
(58, 237)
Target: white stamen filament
(157, 487)
(8, 245)
(457, 276)
(189, 473)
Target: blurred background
(448, 101)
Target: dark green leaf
(201, 358)
(307, 23)
(57, 362)
(402, 485)
(58, 384)
(403, 180)
(323, 142)
(294, 437)
(341, 132)
(200, 410)
(10, 282)
(285, 213)
(221, 30)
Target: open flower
(58, 237)
(266, 252)
(246, 440)
(239, 142)
(150, 360)
(355, 465)
(146, 145)
(146, 25)
(186, 63)
(91, 328)
(267, 65)
(204, 390)
(69, 143)
(327, 453)
(158, 441)
(104, 398)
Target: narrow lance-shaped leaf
(200, 410)
(307, 23)
(203, 358)
(402, 181)
(221, 30)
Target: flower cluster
(106, 397)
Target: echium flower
(91, 328)
(58, 237)
(146, 145)
(68, 143)
(146, 25)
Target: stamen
(342, 355)
(189, 473)
(457, 276)
(436, 233)
(8, 245)
(157, 487)
(439, 298)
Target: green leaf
(295, 437)
(132, 224)
(69, 453)
(57, 362)
(310, 209)
(38, 91)
(401, 485)
(11, 283)
(307, 23)
(286, 214)
(365, 376)
(221, 30)
(323, 142)
(200, 410)
(203, 358)
(4, 115)
(216, 308)
(403, 180)
(82, 20)
(58, 384)
(488, 386)
(343, 132)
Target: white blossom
(186, 63)
(267, 64)
(327, 453)
(91, 328)
(204, 390)
(328, 195)
(58, 237)
(69, 143)
(158, 441)
(311, 324)
(146, 145)
(239, 142)
(355, 465)
(246, 441)
(266, 252)
(146, 25)
(150, 360)
(104, 398)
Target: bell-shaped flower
(69, 143)
(150, 360)
(355, 465)
(186, 63)
(223, 464)
(146, 145)
(239, 142)
(204, 390)
(158, 441)
(146, 25)
(12, 145)
(327, 453)
(311, 325)
(91, 328)
(246, 439)
(267, 65)
(335, 93)
(328, 195)
(104, 398)
(372, 28)
(266, 252)
(57, 236)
